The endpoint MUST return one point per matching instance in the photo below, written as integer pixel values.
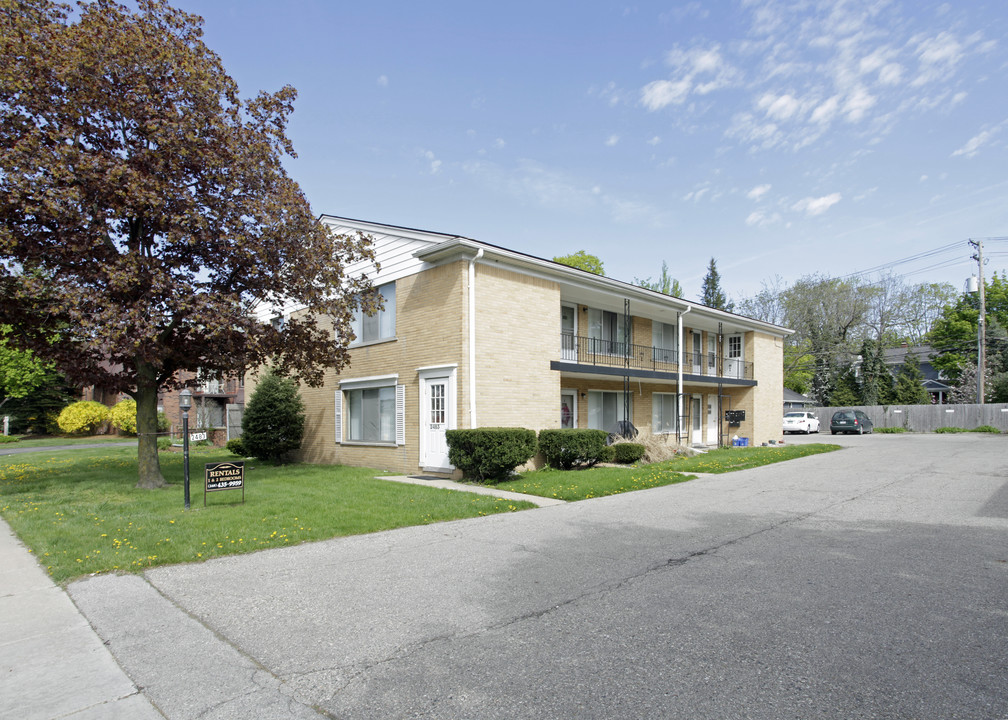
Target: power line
(911, 258)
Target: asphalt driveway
(870, 582)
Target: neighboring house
(796, 401)
(933, 383)
(474, 335)
(216, 407)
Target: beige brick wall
(768, 358)
(429, 331)
(517, 335)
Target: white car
(800, 422)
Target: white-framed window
(371, 411)
(605, 331)
(664, 412)
(568, 331)
(735, 346)
(605, 409)
(380, 325)
(665, 341)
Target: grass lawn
(79, 512)
(24, 441)
(599, 481)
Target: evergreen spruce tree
(876, 380)
(910, 383)
(846, 391)
(712, 295)
(273, 422)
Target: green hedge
(490, 454)
(627, 452)
(570, 448)
(889, 430)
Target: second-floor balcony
(615, 354)
(217, 387)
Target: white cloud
(696, 195)
(697, 71)
(783, 107)
(938, 56)
(612, 140)
(749, 129)
(972, 146)
(758, 192)
(611, 94)
(654, 141)
(816, 206)
(826, 110)
(759, 218)
(661, 93)
(434, 164)
(499, 143)
(858, 104)
(383, 81)
(891, 74)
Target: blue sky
(782, 138)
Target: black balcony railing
(612, 353)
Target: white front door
(712, 420)
(697, 353)
(696, 420)
(568, 408)
(436, 405)
(735, 357)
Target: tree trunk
(148, 464)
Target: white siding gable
(394, 251)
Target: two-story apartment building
(474, 335)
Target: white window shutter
(339, 416)
(400, 414)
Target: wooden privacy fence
(926, 418)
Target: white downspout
(472, 338)
(682, 355)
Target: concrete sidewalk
(478, 489)
(52, 664)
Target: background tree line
(843, 325)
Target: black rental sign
(224, 476)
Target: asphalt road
(867, 583)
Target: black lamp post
(184, 403)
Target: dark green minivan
(850, 421)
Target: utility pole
(981, 324)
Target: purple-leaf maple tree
(145, 215)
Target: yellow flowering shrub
(82, 417)
(124, 416)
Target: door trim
(448, 373)
(696, 419)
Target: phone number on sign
(221, 484)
